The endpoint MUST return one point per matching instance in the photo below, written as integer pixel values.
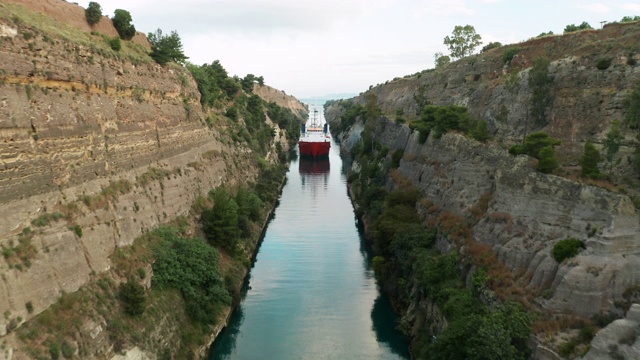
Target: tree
(371, 106)
(480, 131)
(491, 45)
(573, 28)
(115, 43)
(538, 140)
(612, 142)
(122, 22)
(93, 13)
(547, 160)
(463, 41)
(630, 19)
(539, 145)
(165, 48)
(133, 297)
(541, 96)
(441, 60)
(632, 105)
(247, 83)
(589, 161)
(220, 223)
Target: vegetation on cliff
(168, 291)
(411, 269)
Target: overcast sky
(314, 48)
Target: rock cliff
(519, 212)
(96, 148)
(585, 98)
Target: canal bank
(311, 292)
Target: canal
(311, 293)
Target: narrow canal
(312, 293)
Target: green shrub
(29, 306)
(54, 350)
(541, 87)
(122, 22)
(491, 45)
(630, 18)
(142, 273)
(547, 160)
(632, 105)
(573, 28)
(509, 53)
(567, 348)
(589, 161)
(396, 157)
(115, 44)
(165, 48)
(93, 13)
(220, 223)
(192, 267)
(603, 63)
(67, 350)
(567, 248)
(77, 230)
(133, 298)
(480, 131)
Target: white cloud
(635, 7)
(595, 8)
(443, 7)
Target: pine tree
(589, 161)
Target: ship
(315, 140)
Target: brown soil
(73, 15)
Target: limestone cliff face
(279, 97)
(95, 149)
(528, 212)
(585, 99)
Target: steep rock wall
(527, 213)
(94, 151)
(279, 97)
(585, 99)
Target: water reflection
(385, 327)
(314, 172)
(312, 292)
(309, 166)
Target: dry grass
(409, 157)
(400, 180)
(479, 209)
(19, 16)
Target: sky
(313, 48)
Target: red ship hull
(314, 149)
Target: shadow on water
(385, 326)
(223, 349)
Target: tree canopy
(491, 45)
(165, 48)
(463, 42)
(220, 223)
(541, 86)
(441, 60)
(122, 22)
(589, 161)
(630, 18)
(612, 142)
(573, 28)
(93, 13)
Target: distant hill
(322, 99)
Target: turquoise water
(311, 293)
